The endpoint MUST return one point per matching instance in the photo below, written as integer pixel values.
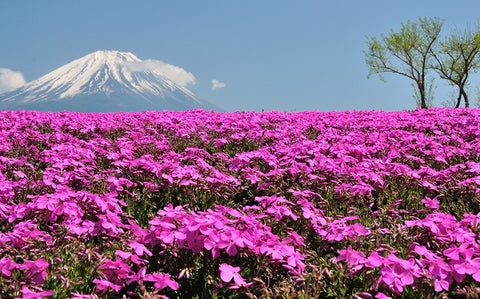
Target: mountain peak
(111, 56)
(103, 81)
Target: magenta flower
(35, 270)
(211, 242)
(442, 276)
(429, 185)
(217, 143)
(130, 256)
(161, 281)
(229, 240)
(396, 277)
(6, 266)
(353, 257)
(123, 254)
(463, 261)
(138, 277)
(103, 285)
(431, 203)
(227, 273)
(422, 250)
(374, 260)
(29, 294)
(115, 269)
(140, 249)
(295, 260)
(381, 295)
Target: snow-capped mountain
(103, 81)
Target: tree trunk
(465, 97)
(462, 87)
(423, 101)
(459, 99)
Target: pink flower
(228, 272)
(442, 277)
(463, 261)
(103, 284)
(229, 240)
(381, 295)
(422, 250)
(128, 255)
(115, 269)
(35, 270)
(140, 249)
(431, 203)
(453, 252)
(217, 143)
(6, 266)
(28, 294)
(211, 243)
(353, 257)
(374, 260)
(429, 185)
(295, 238)
(138, 277)
(161, 281)
(396, 277)
(123, 254)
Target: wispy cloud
(10, 80)
(172, 72)
(217, 84)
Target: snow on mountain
(104, 81)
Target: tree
(407, 53)
(457, 56)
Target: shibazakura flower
(353, 257)
(104, 285)
(431, 203)
(381, 295)
(227, 273)
(35, 270)
(396, 277)
(161, 281)
(29, 294)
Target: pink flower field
(198, 204)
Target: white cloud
(217, 84)
(172, 72)
(10, 80)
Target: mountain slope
(103, 81)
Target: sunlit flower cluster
(201, 204)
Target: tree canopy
(457, 56)
(407, 52)
(416, 48)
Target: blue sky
(269, 54)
